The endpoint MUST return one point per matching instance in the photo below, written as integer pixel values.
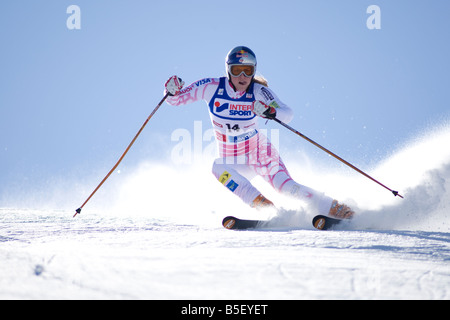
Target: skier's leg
(235, 177)
(283, 183)
(266, 162)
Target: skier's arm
(265, 95)
(200, 90)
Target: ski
(320, 222)
(233, 223)
(324, 222)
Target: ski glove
(263, 110)
(174, 85)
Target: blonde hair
(261, 80)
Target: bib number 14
(232, 128)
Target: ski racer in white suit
(236, 102)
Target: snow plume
(425, 207)
(422, 170)
(186, 194)
(189, 193)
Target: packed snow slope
(156, 233)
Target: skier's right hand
(173, 85)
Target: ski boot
(340, 211)
(262, 202)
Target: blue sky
(72, 100)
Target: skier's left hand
(263, 110)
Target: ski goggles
(237, 69)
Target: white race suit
(244, 151)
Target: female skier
(235, 103)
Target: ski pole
(395, 193)
(123, 155)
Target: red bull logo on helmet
(242, 54)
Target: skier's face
(241, 82)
